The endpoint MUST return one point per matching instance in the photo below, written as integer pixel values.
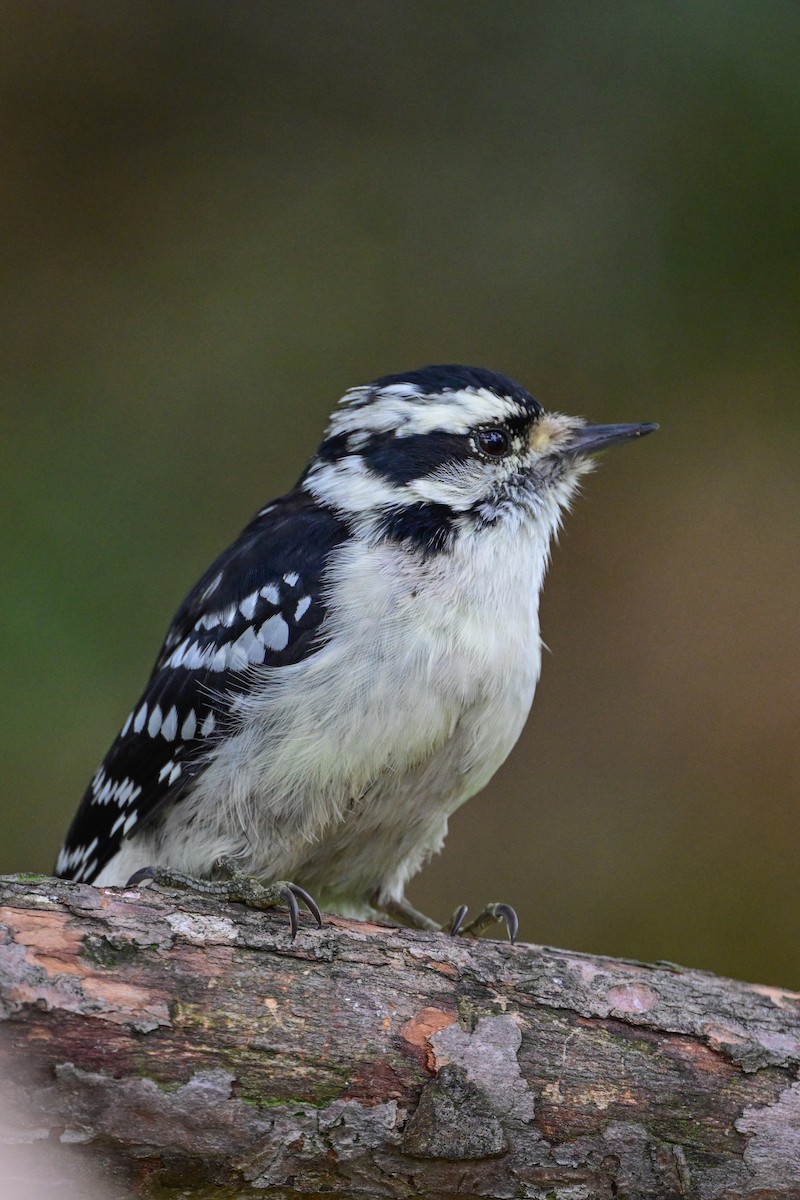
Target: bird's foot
(403, 913)
(492, 914)
(238, 886)
(400, 912)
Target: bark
(186, 1044)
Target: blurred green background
(218, 216)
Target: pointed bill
(592, 438)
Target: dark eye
(494, 441)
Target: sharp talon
(458, 919)
(309, 902)
(294, 911)
(138, 876)
(511, 919)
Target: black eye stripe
(494, 441)
(402, 459)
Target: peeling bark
(186, 1044)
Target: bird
(356, 665)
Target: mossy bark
(190, 1045)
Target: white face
(472, 450)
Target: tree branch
(194, 1045)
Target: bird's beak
(592, 438)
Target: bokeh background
(217, 216)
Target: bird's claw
(506, 913)
(490, 915)
(291, 893)
(238, 887)
(140, 876)
(458, 919)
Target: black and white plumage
(259, 604)
(360, 661)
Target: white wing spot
(189, 726)
(127, 725)
(210, 620)
(207, 728)
(75, 859)
(170, 726)
(274, 633)
(176, 658)
(247, 649)
(141, 717)
(220, 660)
(165, 770)
(271, 593)
(130, 821)
(291, 578)
(154, 724)
(117, 791)
(187, 657)
(302, 607)
(247, 607)
(174, 773)
(194, 658)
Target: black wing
(261, 602)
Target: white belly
(349, 763)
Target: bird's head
(428, 454)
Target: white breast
(348, 764)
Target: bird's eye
(494, 441)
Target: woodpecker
(356, 665)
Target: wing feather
(260, 604)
